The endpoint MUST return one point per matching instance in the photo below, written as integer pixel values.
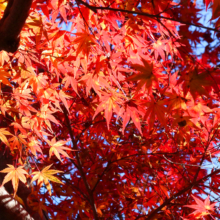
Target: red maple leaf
(202, 208)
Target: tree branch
(95, 8)
(79, 163)
(7, 202)
(155, 211)
(10, 208)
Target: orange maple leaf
(16, 142)
(44, 176)
(130, 111)
(3, 77)
(34, 146)
(196, 83)
(84, 41)
(176, 101)
(57, 148)
(34, 202)
(109, 103)
(14, 174)
(63, 96)
(70, 80)
(46, 115)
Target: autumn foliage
(108, 110)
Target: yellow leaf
(14, 174)
(45, 175)
(19, 199)
(4, 132)
(3, 5)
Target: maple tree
(108, 109)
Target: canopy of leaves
(113, 110)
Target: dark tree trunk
(12, 22)
(9, 207)
(11, 25)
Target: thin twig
(144, 14)
(184, 164)
(79, 163)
